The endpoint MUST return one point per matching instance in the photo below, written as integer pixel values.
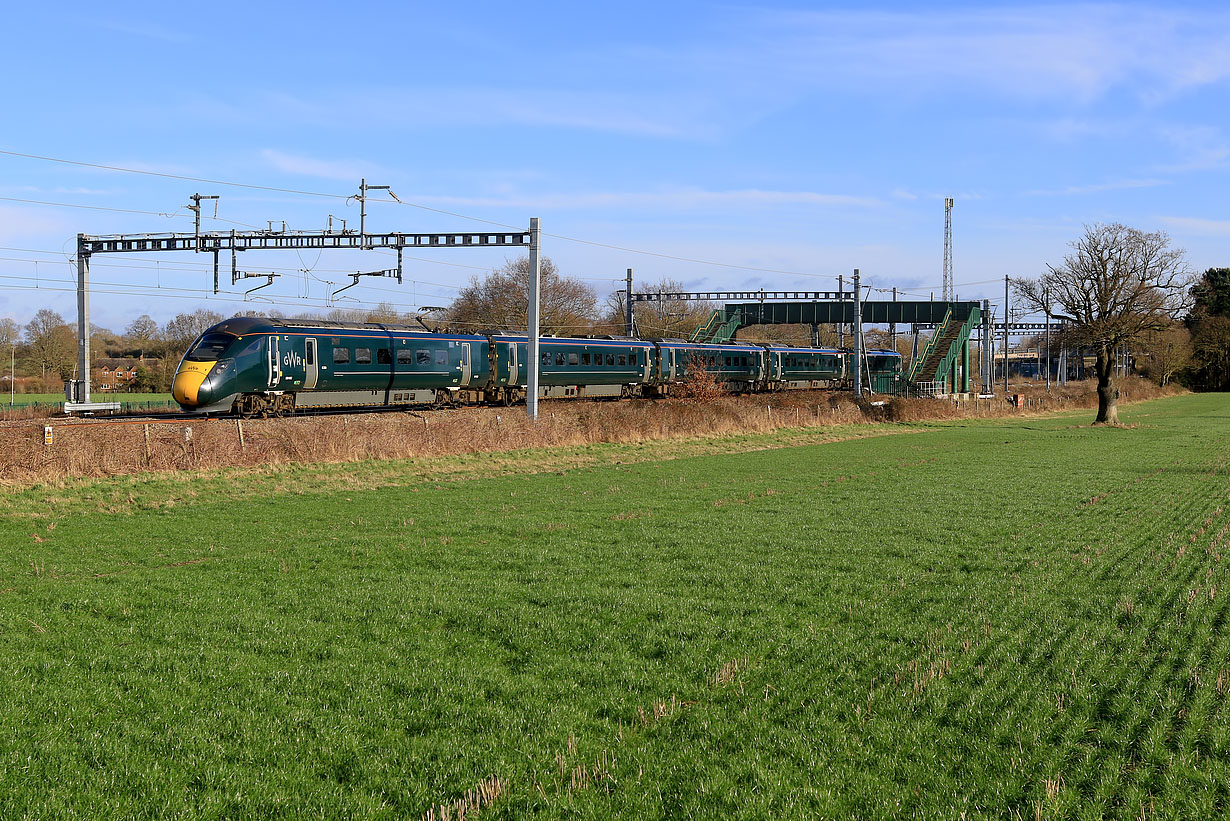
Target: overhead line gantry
(77, 392)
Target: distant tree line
(1166, 343)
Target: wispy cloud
(680, 199)
(1096, 188)
(740, 66)
(18, 223)
(303, 165)
(1199, 147)
(1047, 51)
(144, 29)
(1198, 226)
(94, 192)
(660, 113)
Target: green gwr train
(256, 365)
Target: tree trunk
(1108, 395)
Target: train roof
(574, 340)
(242, 325)
(797, 349)
(683, 343)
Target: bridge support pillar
(965, 378)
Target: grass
(994, 617)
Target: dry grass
(90, 449)
(1037, 399)
(485, 793)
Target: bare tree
(143, 329)
(667, 318)
(179, 332)
(1116, 286)
(384, 313)
(1165, 353)
(53, 345)
(10, 333)
(501, 300)
(10, 338)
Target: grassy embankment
(980, 616)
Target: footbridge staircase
(943, 365)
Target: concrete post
(858, 339)
(83, 322)
(531, 394)
(841, 300)
(1006, 319)
(988, 372)
(628, 322)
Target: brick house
(118, 374)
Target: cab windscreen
(209, 347)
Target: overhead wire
(126, 289)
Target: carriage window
(546, 359)
(362, 356)
(584, 359)
(341, 355)
(383, 356)
(572, 359)
(728, 361)
(441, 357)
(405, 356)
(309, 353)
(610, 359)
(560, 359)
(422, 357)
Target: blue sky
(795, 137)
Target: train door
(275, 362)
(310, 364)
(513, 376)
(466, 368)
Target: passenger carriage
(256, 365)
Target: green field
(97, 396)
(1010, 618)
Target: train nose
(188, 381)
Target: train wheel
(247, 406)
(283, 405)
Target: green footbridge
(941, 367)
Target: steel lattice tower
(948, 288)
